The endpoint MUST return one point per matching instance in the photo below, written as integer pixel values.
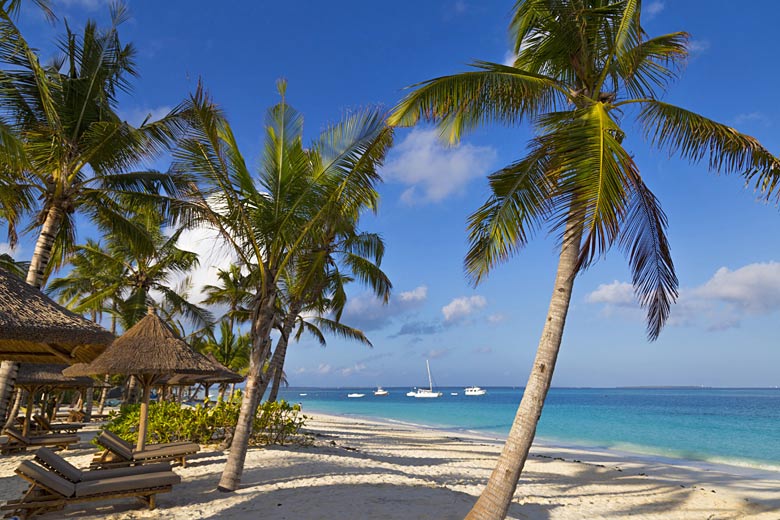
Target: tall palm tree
(581, 67)
(269, 218)
(233, 292)
(73, 154)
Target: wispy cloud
(653, 9)
(418, 328)
(749, 118)
(436, 353)
(496, 318)
(90, 5)
(433, 171)
(136, 116)
(366, 312)
(720, 303)
(460, 308)
(698, 46)
(460, 7)
(6, 249)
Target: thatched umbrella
(221, 375)
(34, 377)
(36, 329)
(148, 350)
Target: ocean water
(732, 426)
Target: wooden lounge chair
(44, 425)
(51, 461)
(19, 442)
(49, 491)
(119, 452)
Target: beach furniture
(119, 452)
(20, 442)
(49, 491)
(44, 425)
(51, 461)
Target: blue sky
(345, 54)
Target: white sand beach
(361, 469)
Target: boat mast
(430, 381)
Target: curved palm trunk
(277, 382)
(35, 275)
(495, 500)
(15, 408)
(89, 398)
(277, 360)
(103, 394)
(261, 344)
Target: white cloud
(136, 116)
(433, 171)
(90, 5)
(367, 312)
(698, 46)
(436, 353)
(509, 58)
(213, 253)
(461, 307)
(615, 293)
(653, 9)
(6, 249)
(752, 117)
(351, 370)
(324, 368)
(722, 302)
(496, 318)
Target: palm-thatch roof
(36, 329)
(148, 348)
(36, 375)
(220, 374)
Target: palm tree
(229, 348)
(232, 292)
(581, 67)
(71, 153)
(269, 219)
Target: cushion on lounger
(166, 451)
(17, 435)
(160, 467)
(52, 439)
(129, 483)
(109, 441)
(47, 479)
(58, 464)
(117, 439)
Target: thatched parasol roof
(36, 329)
(50, 375)
(148, 348)
(221, 374)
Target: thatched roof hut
(38, 375)
(220, 374)
(36, 329)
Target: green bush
(275, 422)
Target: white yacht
(356, 395)
(426, 392)
(474, 390)
(381, 391)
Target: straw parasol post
(148, 350)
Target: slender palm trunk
(278, 375)
(277, 360)
(261, 344)
(15, 408)
(8, 371)
(89, 398)
(221, 394)
(495, 500)
(103, 394)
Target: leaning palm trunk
(89, 397)
(103, 394)
(8, 371)
(15, 408)
(277, 360)
(274, 393)
(261, 344)
(494, 501)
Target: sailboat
(426, 392)
(380, 391)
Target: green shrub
(275, 422)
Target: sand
(360, 469)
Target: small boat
(303, 395)
(412, 392)
(453, 393)
(427, 393)
(381, 391)
(356, 395)
(474, 390)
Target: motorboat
(453, 393)
(381, 391)
(412, 393)
(355, 395)
(303, 395)
(427, 393)
(474, 390)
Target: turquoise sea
(730, 426)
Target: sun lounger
(119, 452)
(49, 491)
(19, 442)
(44, 425)
(51, 461)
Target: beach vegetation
(581, 70)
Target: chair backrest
(46, 479)
(51, 460)
(118, 439)
(42, 421)
(108, 440)
(16, 434)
